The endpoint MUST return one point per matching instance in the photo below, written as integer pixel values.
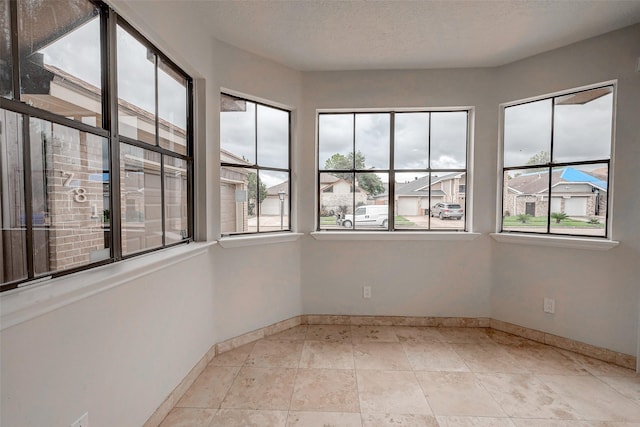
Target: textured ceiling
(398, 34)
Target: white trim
(240, 241)
(23, 304)
(398, 235)
(556, 241)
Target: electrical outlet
(83, 421)
(366, 292)
(549, 305)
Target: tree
(370, 182)
(253, 189)
(541, 158)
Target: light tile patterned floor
(366, 376)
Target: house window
(255, 173)
(89, 176)
(386, 170)
(556, 163)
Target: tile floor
(329, 375)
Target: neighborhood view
(556, 164)
(392, 170)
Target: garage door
(556, 204)
(576, 206)
(407, 206)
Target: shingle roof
(538, 181)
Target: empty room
(319, 213)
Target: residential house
(574, 192)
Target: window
(556, 164)
(73, 151)
(388, 170)
(255, 172)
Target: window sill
(556, 241)
(386, 235)
(23, 304)
(254, 240)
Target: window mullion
(15, 49)
(111, 70)
(28, 194)
(391, 179)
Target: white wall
(596, 293)
(119, 354)
(428, 278)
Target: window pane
(527, 133)
(238, 130)
(372, 141)
(140, 198)
(172, 109)
(70, 194)
(411, 141)
(412, 200)
(372, 201)
(235, 211)
(582, 126)
(579, 200)
(13, 237)
(335, 141)
(273, 137)
(525, 200)
(60, 61)
(449, 140)
(136, 89)
(175, 200)
(337, 199)
(6, 63)
(447, 201)
(274, 205)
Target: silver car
(447, 210)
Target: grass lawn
(541, 221)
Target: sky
(411, 139)
(238, 135)
(581, 132)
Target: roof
(538, 181)
(420, 186)
(283, 186)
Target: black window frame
(549, 167)
(108, 129)
(257, 168)
(392, 170)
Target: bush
(559, 216)
(523, 218)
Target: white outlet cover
(549, 305)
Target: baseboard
(600, 353)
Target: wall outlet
(366, 292)
(83, 421)
(549, 305)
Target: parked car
(372, 215)
(447, 210)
